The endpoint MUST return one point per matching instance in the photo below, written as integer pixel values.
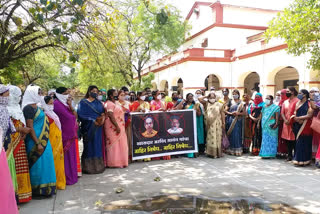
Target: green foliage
(299, 26)
(146, 82)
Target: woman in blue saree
(302, 130)
(39, 150)
(269, 125)
(91, 116)
(234, 124)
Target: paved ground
(228, 177)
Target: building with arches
(226, 49)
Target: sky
(185, 5)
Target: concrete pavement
(274, 181)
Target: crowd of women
(39, 150)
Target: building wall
(199, 22)
(247, 16)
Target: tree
(140, 29)
(299, 26)
(146, 82)
(46, 69)
(27, 26)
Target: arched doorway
(212, 80)
(180, 87)
(286, 77)
(251, 81)
(154, 86)
(164, 86)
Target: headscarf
(104, 96)
(314, 89)
(14, 104)
(49, 111)
(283, 97)
(31, 96)
(52, 91)
(61, 97)
(5, 121)
(258, 100)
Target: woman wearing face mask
(269, 126)
(287, 111)
(157, 105)
(234, 124)
(126, 109)
(282, 145)
(132, 97)
(277, 98)
(116, 143)
(69, 128)
(215, 123)
(174, 102)
(302, 130)
(92, 117)
(39, 150)
(247, 130)
(190, 104)
(315, 104)
(8, 202)
(9, 187)
(140, 105)
(255, 116)
(17, 145)
(55, 137)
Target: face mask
(288, 95)
(127, 97)
(212, 100)
(143, 98)
(267, 102)
(93, 95)
(225, 93)
(150, 98)
(4, 101)
(100, 98)
(159, 97)
(175, 98)
(300, 96)
(116, 98)
(179, 100)
(63, 98)
(50, 107)
(236, 96)
(278, 98)
(132, 98)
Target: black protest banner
(157, 134)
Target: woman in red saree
(158, 105)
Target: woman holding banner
(190, 104)
(234, 124)
(302, 130)
(158, 105)
(117, 146)
(215, 121)
(140, 105)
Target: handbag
(315, 125)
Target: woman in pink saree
(117, 146)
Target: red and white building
(226, 49)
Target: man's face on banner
(148, 124)
(175, 124)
